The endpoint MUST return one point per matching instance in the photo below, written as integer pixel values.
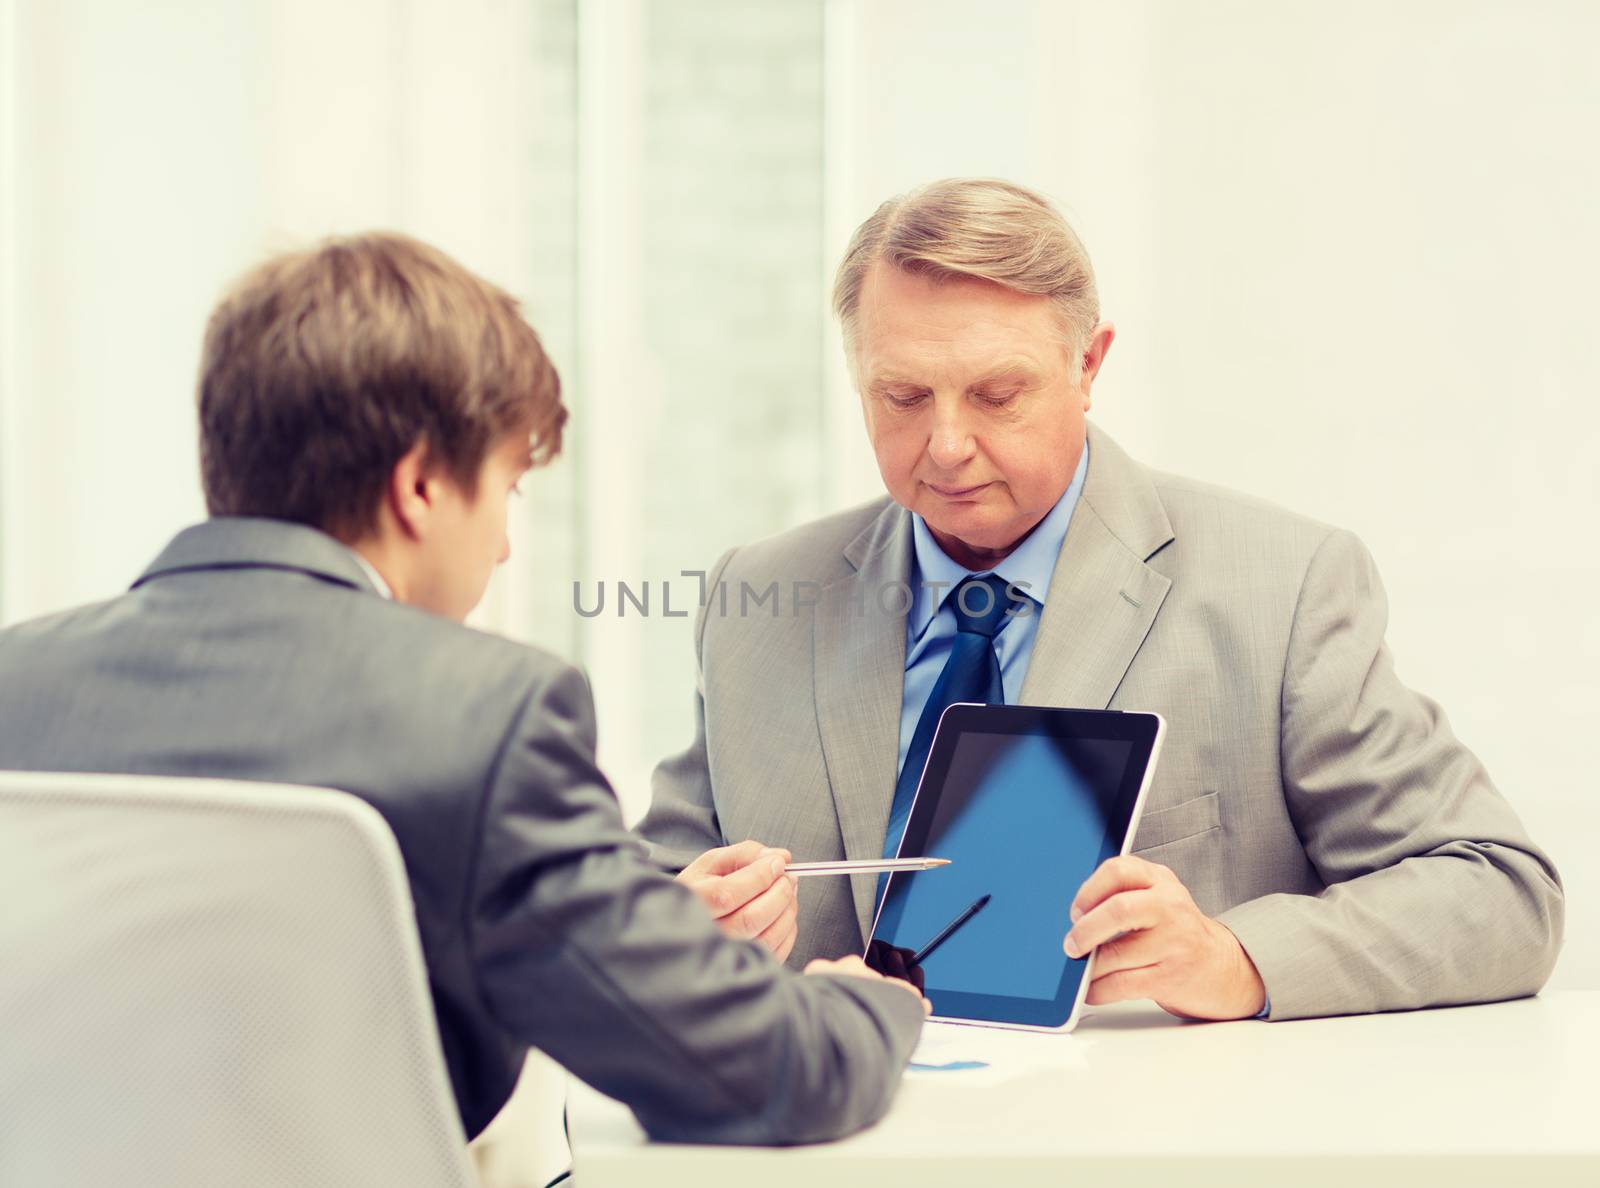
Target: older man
(1316, 840)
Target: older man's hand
(1152, 941)
(748, 893)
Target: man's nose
(505, 550)
(951, 443)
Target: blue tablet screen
(1024, 818)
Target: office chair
(206, 983)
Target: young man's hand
(854, 967)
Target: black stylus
(946, 932)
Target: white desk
(1470, 1095)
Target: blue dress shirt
(931, 625)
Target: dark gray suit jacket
(258, 650)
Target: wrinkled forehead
(915, 328)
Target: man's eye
(996, 399)
(905, 401)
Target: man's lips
(955, 492)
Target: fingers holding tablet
(1026, 802)
(1151, 940)
(1128, 872)
(1122, 895)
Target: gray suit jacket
(257, 650)
(1323, 810)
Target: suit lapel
(1102, 602)
(1103, 598)
(859, 672)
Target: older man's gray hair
(982, 228)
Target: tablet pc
(1026, 801)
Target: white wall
(158, 151)
(1350, 250)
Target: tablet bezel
(1144, 730)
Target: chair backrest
(212, 983)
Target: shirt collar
(373, 576)
(248, 542)
(1029, 566)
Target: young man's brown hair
(322, 368)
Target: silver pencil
(866, 866)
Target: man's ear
(1093, 356)
(411, 492)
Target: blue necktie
(972, 673)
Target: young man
(366, 410)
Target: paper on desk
(983, 1055)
